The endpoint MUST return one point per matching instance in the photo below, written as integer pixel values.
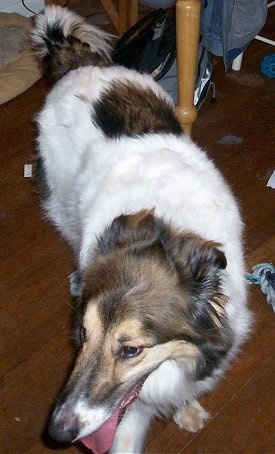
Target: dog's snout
(64, 427)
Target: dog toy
(264, 275)
(268, 66)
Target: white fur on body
(93, 179)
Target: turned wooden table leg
(188, 28)
(128, 14)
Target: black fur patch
(131, 110)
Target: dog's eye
(82, 334)
(130, 352)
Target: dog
(156, 235)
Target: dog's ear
(199, 266)
(136, 231)
(191, 254)
(143, 219)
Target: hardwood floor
(35, 312)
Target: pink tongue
(101, 440)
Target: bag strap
(170, 26)
(158, 73)
(152, 19)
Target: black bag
(150, 47)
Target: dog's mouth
(100, 441)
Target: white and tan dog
(156, 235)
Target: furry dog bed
(19, 68)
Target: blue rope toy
(264, 275)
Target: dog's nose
(64, 429)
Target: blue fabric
(228, 26)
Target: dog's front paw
(191, 416)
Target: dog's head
(151, 294)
